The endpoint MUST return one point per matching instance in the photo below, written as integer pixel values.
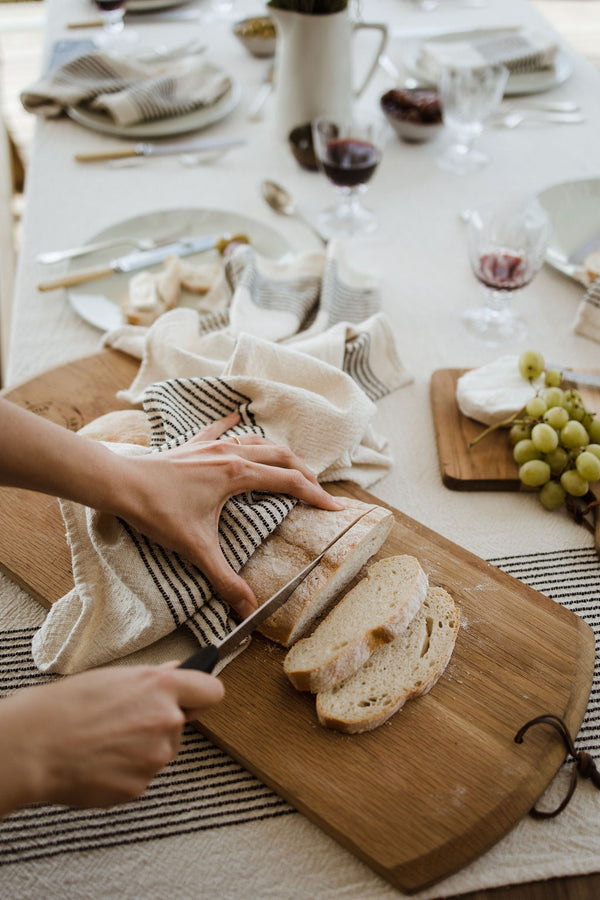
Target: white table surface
(419, 251)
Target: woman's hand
(98, 738)
(175, 498)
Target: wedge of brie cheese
(495, 391)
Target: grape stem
(503, 424)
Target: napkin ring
(584, 763)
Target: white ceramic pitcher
(314, 67)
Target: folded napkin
(587, 319)
(519, 50)
(129, 592)
(129, 91)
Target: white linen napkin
(128, 90)
(587, 319)
(129, 592)
(520, 50)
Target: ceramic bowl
(301, 144)
(414, 113)
(257, 34)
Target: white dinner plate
(98, 302)
(157, 128)
(574, 210)
(519, 83)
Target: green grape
(536, 407)
(534, 472)
(544, 438)
(556, 416)
(588, 466)
(573, 483)
(574, 435)
(531, 365)
(554, 396)
(558, 460)
(574, 405)
(525, 450)
(594, 448)
(594, 430)
(552, 495)
(553, 377)
(520, 431)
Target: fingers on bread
(406, 668)
(374, 612)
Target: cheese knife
(146, 149)
(206, 658)
(140, 259)
(575, 377)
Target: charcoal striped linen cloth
(129, 91)
(204, 790)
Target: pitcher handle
(383, 29)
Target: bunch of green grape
(556, 440)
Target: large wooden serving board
(489, 465)
(443, 780)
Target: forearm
(19, 778)
(38, 455)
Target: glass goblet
(468, 95)
(348, 150)
(506, 250)
(114, 36)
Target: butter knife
(146, 149)
(584, 378)
(207, 658)
(140, 259)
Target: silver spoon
(282, 202)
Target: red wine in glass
(349, 162)
(502, 271)
(109, 5)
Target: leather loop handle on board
(584, 763)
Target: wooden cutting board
(443, 780)
(489, 465)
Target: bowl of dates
(415, 114)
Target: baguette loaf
(299, 539)
(127, 426)
(374, 612)
(408, 667)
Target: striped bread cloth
(129, 91)
(587, 319)
(130, 592)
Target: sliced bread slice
(406, 668)
(374, 612)
(298, 540)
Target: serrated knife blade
(206, 658)
(131, 262)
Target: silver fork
(54, 256)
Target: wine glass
(506, 250)
(349, 151)
(468, 94)
(113, 37)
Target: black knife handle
(204, 660)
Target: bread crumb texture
(396, 672)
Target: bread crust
(335, 664)
(301, 537)
(123, 426)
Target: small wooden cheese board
(489, 465)
(443, 780)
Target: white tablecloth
(419, 250)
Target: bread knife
(140, 259)
(206, 658)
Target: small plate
(98, 302)
(519, 83)
(574, 210)
(157, 128)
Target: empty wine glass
(469, 95)
(349, 151)
(506, 250)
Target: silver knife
(173, 15)
(584, 378)
(140, 259)
(579, 254)
(206, 658)
(146, 149)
